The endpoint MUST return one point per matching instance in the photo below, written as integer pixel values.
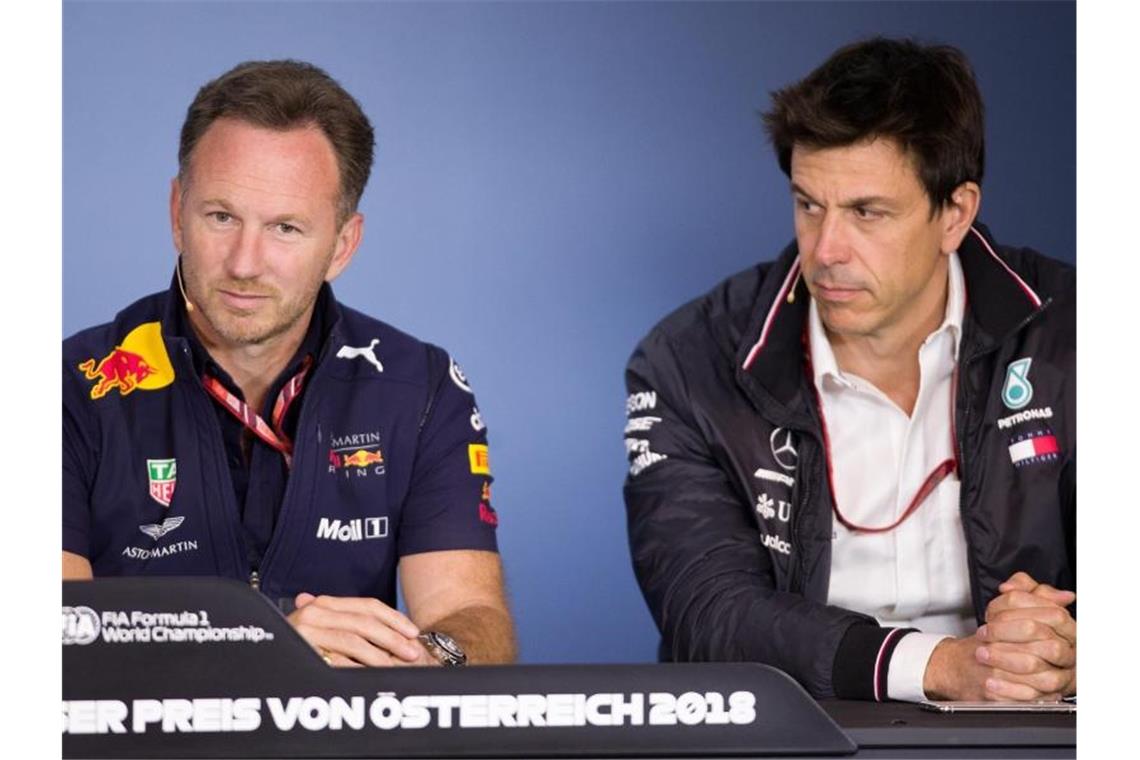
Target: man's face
(256, 221)
(872, 255)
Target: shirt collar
(823, 358)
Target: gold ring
(325, 655)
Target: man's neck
(888, 359)
(254, 367)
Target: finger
(1052, 681)
(393, 618)
(1002, 690)
(338, 660)
(1030, 657)
(1056, 652)
(1055, 595)
(419, 663)
(320, 616)
(1019, 581)
(343, 645)
(1028, 623)
(1042, 596)
(302, 599)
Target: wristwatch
(443, 648)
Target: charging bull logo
(140, 361)
(362, 458)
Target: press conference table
(896, 729)
(208, 668)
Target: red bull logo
(362, 458)
(140, 361)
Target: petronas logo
(1017, 391)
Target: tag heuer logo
(162, 474)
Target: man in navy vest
(245, 424)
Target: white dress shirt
(915, 575)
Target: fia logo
(80, 625)
(1017, 391)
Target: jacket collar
(771, 355)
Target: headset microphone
(791, 292)
(181, 287)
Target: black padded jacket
(718, 391)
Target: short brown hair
(287, 95)
(923, 97)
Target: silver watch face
(448, 644)
(449, 651)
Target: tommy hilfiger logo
(1034, 447)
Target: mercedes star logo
(783, 449)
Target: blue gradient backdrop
(550, 180)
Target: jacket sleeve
(708, 581)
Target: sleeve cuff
(862, 661)
(908, 666)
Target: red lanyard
(273, 435)
(940, 473)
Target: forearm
(76, 567)
(485, 633)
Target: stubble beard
(274, 318)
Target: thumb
(302, 599)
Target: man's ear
(176, 214)
(347, 241)
(958, 214)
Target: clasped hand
(354, 632)
(1025, 651)
(1030, 641)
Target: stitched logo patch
(140, 361)
(162, 475)
(1017, 391)
(1038, 446)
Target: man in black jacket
(857, 463)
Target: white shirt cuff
(908, 666)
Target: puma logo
(364, 352)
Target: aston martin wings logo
(158, 531)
